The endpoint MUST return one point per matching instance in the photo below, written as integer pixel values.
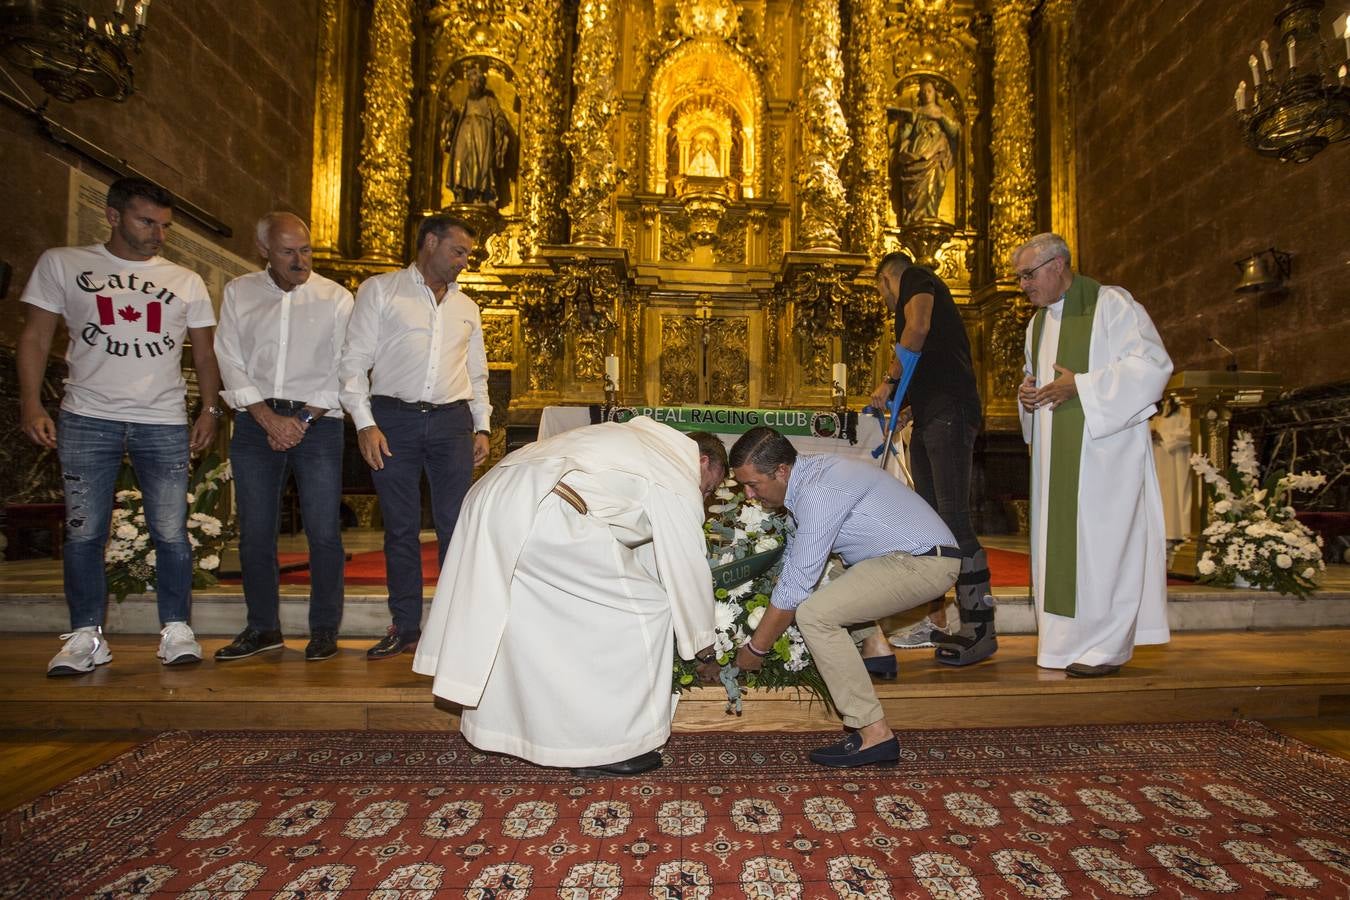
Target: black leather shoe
(322, 645)
(393, 643)
(846, 754)
(882, 667)
(1078, 670)
(249, 642)
(645, 762)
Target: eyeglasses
(1031, 273)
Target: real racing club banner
(736, 420)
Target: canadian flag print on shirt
(128, 310)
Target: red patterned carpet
(1145, 810)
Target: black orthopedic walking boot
(977, 639)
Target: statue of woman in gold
(478, 138)
(922, 153)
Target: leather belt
(420, 405)
(941, 550)
(571, 497)
(279, 405)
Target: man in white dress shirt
(414, 379)
(280, 337)
(1095, 370)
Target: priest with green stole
(1095, 370)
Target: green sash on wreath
(1060, 586)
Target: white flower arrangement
(738, 529)
(1253, 536)
(130, 555)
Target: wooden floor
(54, 729)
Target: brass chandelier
(1296, 115)
(70, 52)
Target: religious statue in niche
(923, 151)
(703, 160)
(478, 141)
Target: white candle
(1345, 32)
(1256, 73)
(1341, 73)
(1290, 44)
(118, 7)
(611, 373)
(141, 9)
(1240, 96)
(1265, 55)
(841, 377)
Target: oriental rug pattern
(1112, 811)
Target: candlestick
(1256, 73)
(1265, 55)
(841, 378)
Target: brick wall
(1169, 197)
(222, 116)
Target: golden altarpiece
(701, 188)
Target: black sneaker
(249, 642)
(393, 643)
(322, 645)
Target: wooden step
(1212, 675)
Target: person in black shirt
(945, 404)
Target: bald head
(283, 240)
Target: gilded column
(595, 170)
(385, 147)
(334, 56)
(1012, 195)
(1058, 20)
(824, 130)
(868, 216)
(542, 121)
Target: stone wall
(1169, 197)
(222, 116)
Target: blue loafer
(882, 667)
(846, 754)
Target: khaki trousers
(872, 589)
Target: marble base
(367, 615)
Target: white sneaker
(84, 649)
(920, 634)
(178, 645)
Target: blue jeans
(259, 481)
(940, 452)
(439, 442)
(91, 453)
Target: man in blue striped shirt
(898, 552)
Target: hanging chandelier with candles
(1294, 115)
(71, 53)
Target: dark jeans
(440, 443)
(91, 453)
(259, 481)
(940, 449)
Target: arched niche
(450, 90)
(904, 112)
(706, 107)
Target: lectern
(1211, 398)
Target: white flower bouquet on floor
(745, 543)
(1253, 537)
(129, 558)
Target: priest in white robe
(578, 564)
(1095, 370)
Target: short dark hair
(892, 260)
(711, 446)
(764, 448)
(121, 192)
(439, 224)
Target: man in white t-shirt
(127, 312)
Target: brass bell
(1263, 271)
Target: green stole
(1060, 586)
